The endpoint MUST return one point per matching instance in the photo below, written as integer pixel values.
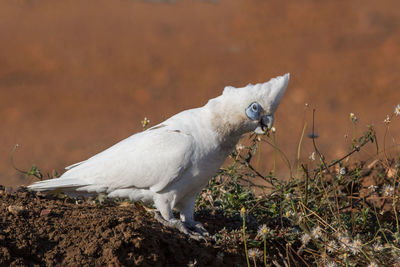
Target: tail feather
(57, 183)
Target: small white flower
(332, 246)
(145, 122)
(377, 247)
(312, 156)
(356, 246)
(289, 214)
(239, 147)
(263, 230)
(388, 190)
(273, 129)
(372, 264)
(330, 264)
(353, 117)
(387, 120)
(397, 110)
(305, 238)
(343, 240)
(316, 232)
(372, 188)
(342, 171)
(254, 253)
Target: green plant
(325, 215)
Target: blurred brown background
(78, 76)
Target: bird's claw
(199, 228)
(199, 233)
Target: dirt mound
(38, 229)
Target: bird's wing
(74, 165)
(151, 159)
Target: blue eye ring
(253, 111)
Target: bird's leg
(168, 220)
(186, 215)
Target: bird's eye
(253, 111)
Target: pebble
(45, 212)
(16, 210)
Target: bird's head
(250, 108)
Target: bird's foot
(181, 226)
(198, 228)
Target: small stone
(124, 204)
(45, 212)
(16, 210)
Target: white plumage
(170, 163)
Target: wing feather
(150, 159)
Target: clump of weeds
(330, 213)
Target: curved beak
(264, 124)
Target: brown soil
(42, 230)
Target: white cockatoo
(169, 164)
